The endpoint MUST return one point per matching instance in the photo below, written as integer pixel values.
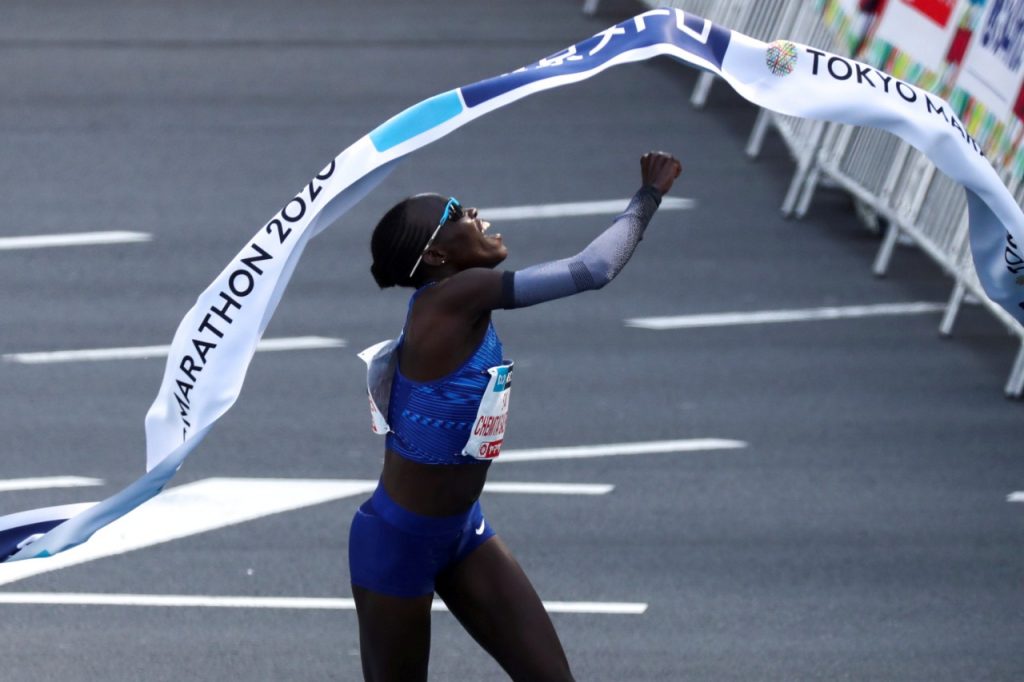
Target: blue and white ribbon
(215, 341)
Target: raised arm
(591, 268)
(603, 258)
(477, 290)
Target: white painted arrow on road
(218, 502)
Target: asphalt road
(863, 533)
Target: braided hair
(399, 239)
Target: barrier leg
(1015, 383)
(868, 216)
(700, 91)
(805, 163)
(956, 299)
(885, 251)
(757, 134)
(794, 189)
(590, 6)
(813, 178)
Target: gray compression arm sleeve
(591, 268)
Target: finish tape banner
(215, 342)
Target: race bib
(491, 418)
(380, 359)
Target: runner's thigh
(494, 600)
(394, 635)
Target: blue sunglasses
(452, 211)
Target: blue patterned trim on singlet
(431, 420)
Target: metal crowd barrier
(887, 178)
(967, 285)
(919, 204)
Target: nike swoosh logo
(480, 530)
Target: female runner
(446, 386)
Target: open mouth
(484, 226)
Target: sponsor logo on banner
(781, 57)
(861, 75)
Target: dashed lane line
(44, 482)
(619, 449)
(75, 239)
(146, 352)
(777, 316)
(576, 208)
(549, 488)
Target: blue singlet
(431, 420)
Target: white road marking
(47, 482)
(190, 509)
(302, 603)
(613, 449)
(218, 502)
(775, 316)
(610, 607)
(76, 239)
(577, 208)
(549, 488)
(143, 352)
(1016, 497)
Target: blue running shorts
(394, 551)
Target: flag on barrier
(215, 341)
